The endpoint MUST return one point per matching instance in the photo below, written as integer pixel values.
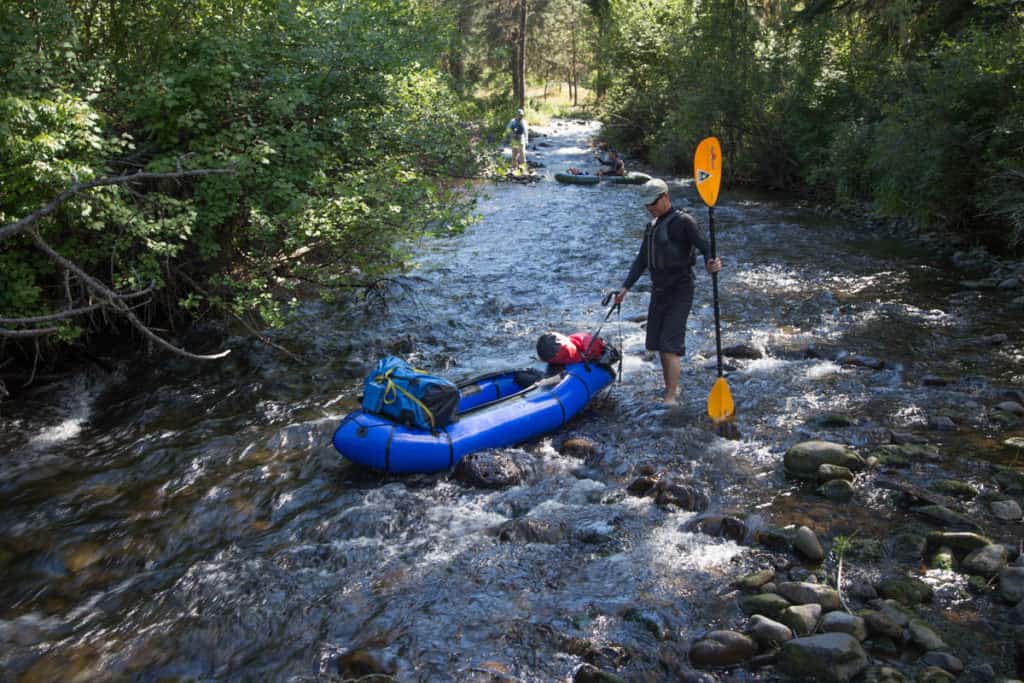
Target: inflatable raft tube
(495, 410)
(571, 179)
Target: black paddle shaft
(714, 289)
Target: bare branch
(115, 300)
(62, 315)
(252, 330)
(27, 334)
(28, 221)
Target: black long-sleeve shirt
(687, 234)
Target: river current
(192, 521)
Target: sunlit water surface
(194, 521)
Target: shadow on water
(195, 522)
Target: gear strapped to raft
(409, 396)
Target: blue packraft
(404, 394)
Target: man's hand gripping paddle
(593, 337)
(707, 174)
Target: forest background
(287, 148)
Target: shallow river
(195, 522)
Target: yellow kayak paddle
(707, 174)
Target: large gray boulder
(801, 593)
(828, 658)
(803, 460)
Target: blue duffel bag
(409, 396)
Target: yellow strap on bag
(392, 389)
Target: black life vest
(664, 253)
(517, 128)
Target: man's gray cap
(652, 189)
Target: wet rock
(1011, 407)
(832, 421)
(578, 447)
(1007, 510)
(642, 486)
(361, 663)
(719, 526)
(881, 625)
(721, 649)
(884, 674)
(829, 658)
(748, 351)
(924, 637)
(652, 621)
(894, 610)
(985, 561)
(859, 360)
(806, 543)
(842, 622)
(803, 592)
(934, 674)
(862, 590)
(905, 590)
(680, 495)
(767, 632)
(946, 517)
(529, 530)
(831, 472)
(943, 660)
(801, 618)
(942, 423)
(773, 539)
(489, 470)
(906, 545)
(588, 673)
(1008, 479)
(953, 487)
(902, 438)
(933, 381)
(803, 460)
(1011, 583)
(959, 541)
(593, 531)
(993, 340)
(766, 604)
(753, 582)
(838, 490)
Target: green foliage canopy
(338, 126)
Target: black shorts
(666, 320)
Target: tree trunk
(520, 70)
(575, 81)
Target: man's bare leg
(670, 371)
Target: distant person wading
(518, 134)
(667, 253)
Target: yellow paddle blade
(720, 405)
(707, 169)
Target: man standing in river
(667, 252)
(518, 134)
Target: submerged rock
(491, 470)
(905, 590)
